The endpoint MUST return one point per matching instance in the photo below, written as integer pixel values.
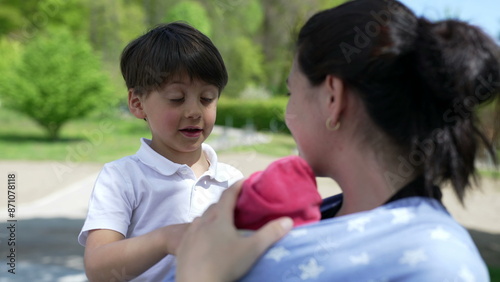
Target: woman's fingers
(224, 208)
(229, 198)
(270, 234)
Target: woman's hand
(213, 250)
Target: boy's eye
(177, 100)
(207, 99)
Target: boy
(174, 75)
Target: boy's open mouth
(191, 132)
(191, 129)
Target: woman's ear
(336, 99)
(135, 104)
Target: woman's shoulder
(414, 234)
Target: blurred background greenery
(59, 66)
(60, 58)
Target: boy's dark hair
(169, 50)
(420, 81)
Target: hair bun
(455, 59)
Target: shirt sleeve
(111, 203)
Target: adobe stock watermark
(485, 89)
(41, 17)
(483, 92)
(82, 151)
(224, 6)
(372, 29)
(120, 276)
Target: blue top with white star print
(409, 239)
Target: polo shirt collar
(213, 171)
(164, 166)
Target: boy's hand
(174, 234)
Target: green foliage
(13, 14)
(255, 37)
(25, 19)
(266, 115)
(129, 30)
(237, 23)
(494, 273)
(71, 14)
(57, 79)
(244, 62)
(193, 13)
(243, 17)
(10, 51)
(10, 19)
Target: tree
(236, 25)
(57, 79)
(281, 25)
(191, 12)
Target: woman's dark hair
(420, 81)
(169, 50)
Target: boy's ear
(135, 104)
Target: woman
(382, 102)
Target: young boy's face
(181, 115)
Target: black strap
(416, 188)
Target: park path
(45, 190)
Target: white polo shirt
(143, 192)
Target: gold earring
(329, 125)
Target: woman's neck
(366, 183)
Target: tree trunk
(53, 130)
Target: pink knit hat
(286, 188)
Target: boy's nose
(192, 111)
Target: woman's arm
(213, 250)
(108, 255)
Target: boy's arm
(108, 255)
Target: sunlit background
(63, 107)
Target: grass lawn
(104, 140)
(494, 274)
(491, 173)
(94, 140)
(90, 140)
(281, 145)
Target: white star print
(326, 247)
(277, 253)
(358, 224)
(362, 258)
(298, 232)
(466, 275)
(440, 234)
(310, 270)
(413, 257)
(402, 215)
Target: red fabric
(286, 188)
